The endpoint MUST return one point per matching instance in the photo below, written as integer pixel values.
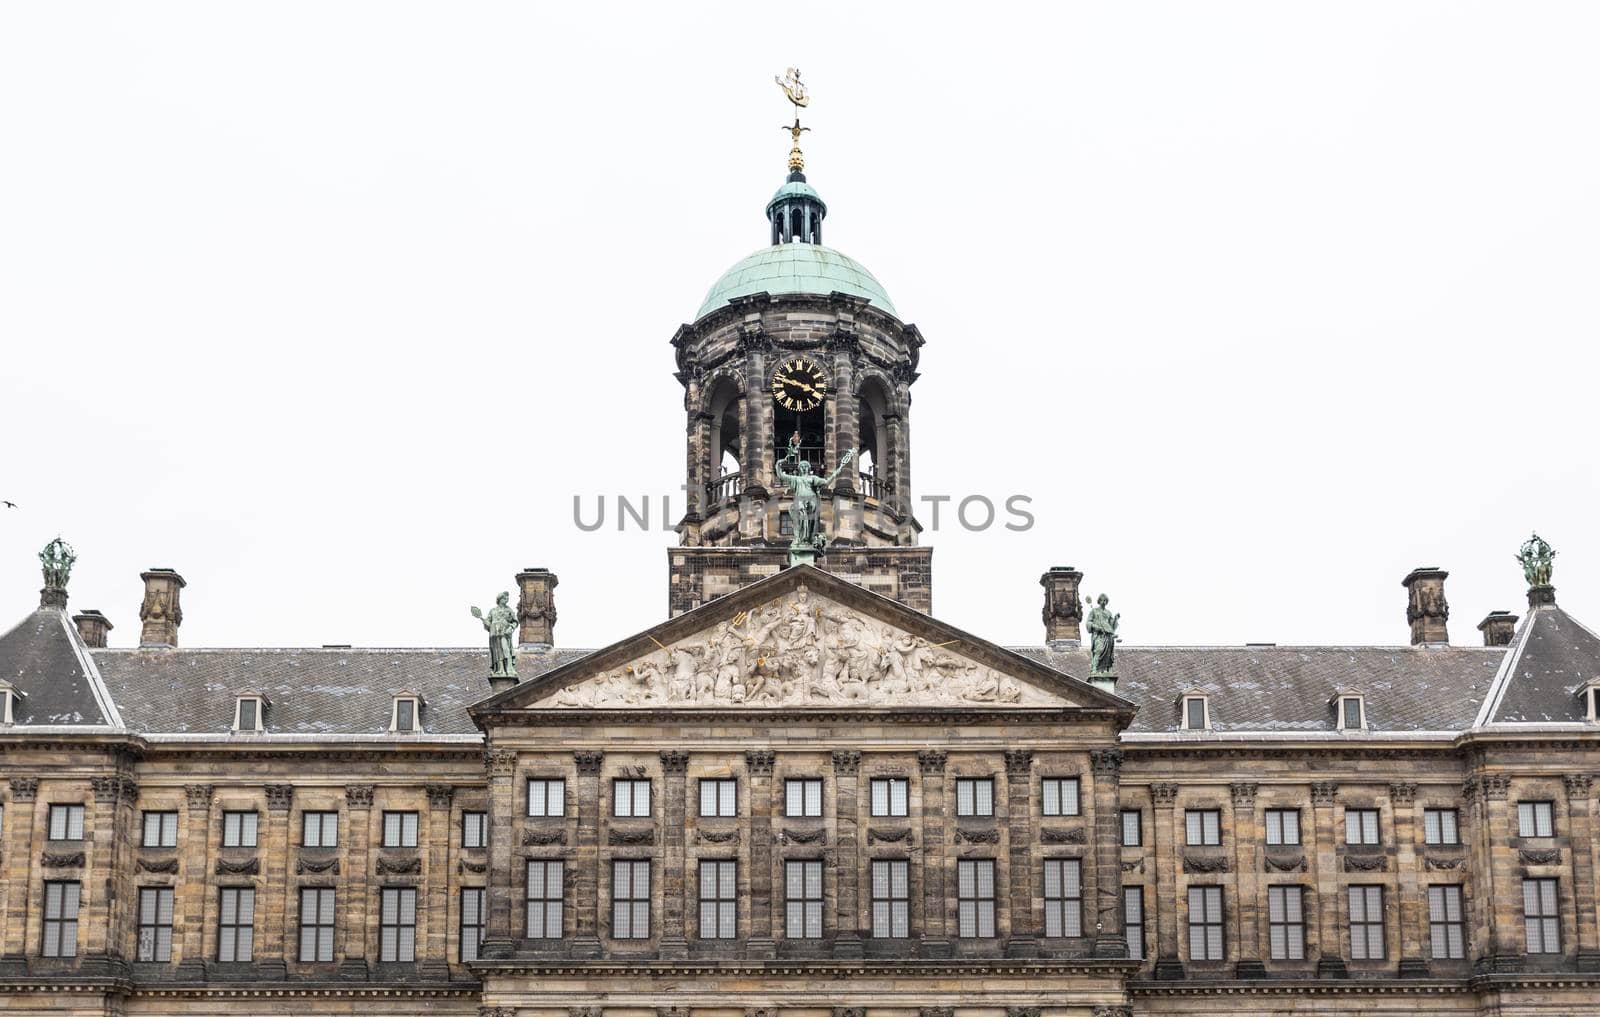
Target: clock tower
(797, 344)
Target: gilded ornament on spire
(797, 94)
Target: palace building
(800, 794)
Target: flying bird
(9, 504)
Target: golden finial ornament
(797, 94)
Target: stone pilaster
(586, 855)
(1500, 893)
(191, 891)
(1412, 907)
(1580, 787)
(844, 344)
(1164, 798)
(675, 767)
(1330, 960)
(756, 439)
(500, 767)
(433, 943)
(1024, 941)
(762, 943)
(17, 866)
(847, 804)
(935, 854)
(1109, 939)
(105, 912)
(358, 894)
(1249, 929)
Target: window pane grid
(1133, 920)
(474, 829)
(400, 829)
(1535, 819)
(975, 898)
(239, 829)
(60, 919)
(1063, 897)
(802, 798)
(1205, 923)
(1366, 922)
(547, 797)
(1440, 826)
(1286, 922)
(160, 829)
(975, 797)
(1202, 827)
(473, 920)
(319, 829)
(630, 900)
(1541, 915)
(719, 798)
(1060, 796)
(890, 796)
(1283, 826)
(891, 899)
(719, 907)
(66, 822)
(546, 892)
(1361, 826)
(316, 924)
(155, 924)
(1446, 924)
(397, 925)
(1132, 828)
(803, 899)
(236, 918)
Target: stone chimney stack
(1062, 610)
(160, 612)
(1427, 610)
(1498, 627)
(536, 608)
(92, 628)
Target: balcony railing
(724, 487)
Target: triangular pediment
(802, 639)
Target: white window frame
(241, 840)
(723, 800)
(66, 826)
(545, 786)
(416, 714)
(1282, 832)
(718, 888)
(1205, 830)
(1537, 816)
(1286, 911)
(1361, 711)
(1137, 815)
(166, 828)
(1053, 791)
(261, 711)
(811, 791)
(1591, 694)
(1361, 815)
(546, 892)
(470, 820)
(326, 822)
(971, 804)
(1439, 816)
(1205, 711)
(404, 827)
(891, 903)
(9, 695)
(895, 800)
(625, 795)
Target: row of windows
(1203, 827)
(241, 829)
(1350, 713)
(249, 714)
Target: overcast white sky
(334, 307)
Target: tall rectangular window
(1060, 796)
(1441, 826)
(397, 925)
(1536, 819)
(630, 900)
(545, 895)
(1366, 923)
(891, 898)
(719, 899)
(60, 919)
(1205, 923)
(66, 822)
(239, 829)
(1063, 897)
(236, 923)
(547, 797)
(1361, 826)
(719, 797)
(630, 798)
(1447, 926)
(1202, 827)
(316, 924)
(319, 829)
(1133, 920)
(1283, 826)
(975, 898)
(1132, 828)
(890, 796)
(1541, 915)
(160, 830)
(1286, 922)
(975, 796)
(399, 829)
(802, 798)
(474, 829)
(1194, 713)
(802, 894)
(473, 921)
(155, 924)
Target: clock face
(799, 385)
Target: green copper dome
(796, 268)
(796, 189)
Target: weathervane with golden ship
(790, 83)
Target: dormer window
(1196, 713)
(8, 703)
(1591, 701)
(1352, 712)
(405, 718)
(247, 714)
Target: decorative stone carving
(279, 797)
(115, 788)
(1019, 762)
(1323, 793)
(1551, 857)
(199, 796)
(24, 789)
(819, 835)
(672, 1011)
(540, 838)
(316, 865)
(1163, 795)
(1106, 763)
(931, 761)
(1023, 1011)
(1402, 792)
(1137, 865)
(399, 866)
(674, 761)
(759, 762)
(497, 1011)
(248, 867)
(1285, 863)
(475, 867)
(1366, 863)
(583, 1011)
(440, 795)
(705, 836)
(964, 835)
(51, 860)
(760, 1011)
(1578, 784)
(936, 1011)
(1058, 835)
(630, 838)
(1113, 1011)
(846, 763)
(800, 650)
(1443, 864)
(1495, 785)
(168, 866)
(499, 762)
(880, 836)
(1207, 863)
(1244, 794)
(358, 796)
(589, 763)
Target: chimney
(1062, 612)
(1498, 627)
(92, 628)
(160, 612)
(536, 608)
(1427, 610)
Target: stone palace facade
(799, 795)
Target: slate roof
(42, 657)
(1552, 658)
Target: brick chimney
(1498, 627)
(92, 628)
(536, 608)
(160, 612)
(1427, 610)
(1062, 611)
